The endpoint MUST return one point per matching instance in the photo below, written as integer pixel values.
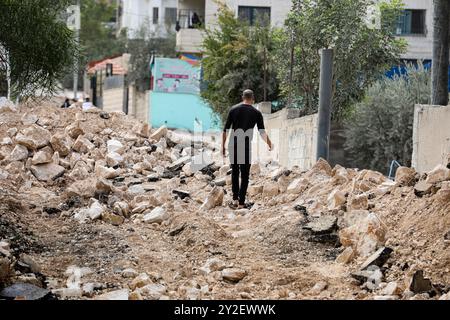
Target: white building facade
(190, 35)
(159, 15)
(416, 26)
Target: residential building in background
(190, 34)
(416, 26)
(159, 15)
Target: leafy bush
(380, 127)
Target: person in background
(196, 20)
(66, 104)
(87, 104)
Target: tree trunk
(439, 82)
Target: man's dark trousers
(240, 192)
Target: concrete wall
(113, 100)
(431, 137)
(180, 111)
(295, 140)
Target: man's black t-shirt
(242, 119)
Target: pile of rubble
(94, 167)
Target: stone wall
(431, 136)
(295, 140)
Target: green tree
(362, 53)
(97, 38)
(142, 46)
(379, 129)
(237, 57)
(35, 44)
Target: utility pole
(325, 100)
(440, 63)
(74, 24)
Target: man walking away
(242, 118)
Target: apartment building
(159, 15)
(416, 26)
(190, 34)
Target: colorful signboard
(176, 76)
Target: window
(254, 15)
(171, 15)
(155, 15)
(411, 22)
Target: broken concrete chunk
(214, 199)
(74, 130)
(107, 173)
(346, 256)
(25, 291)
(270, 189)
(422, 188)
(405, 176)
(159, 133)
(419, 284)
(113, 159)
(115, 146)
(233, 274)
(358, 202)
(322, 225)
(83, 145)
(34, 137)
(178, 164)
(43, 156)
(297, 186)
(336, 199)
(19, 153)
(113, 219)
(438, 174)
(378, 259)
(47, 172)
(157, 215)
(114, 295)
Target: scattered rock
(25, 291)
(122, 294)
(233, 274)
(159, 133)
(405, 176)
(43, 156)
(378, 259)
(129, 273)
(157, 215)
(115, 146)
(214, 199)
(113, 219)
(83, 145)
(297, 186)
(346, 256)
(47, 172)
(422, 188)
(270, 190)
(19, 153)
(438, 174)
(419, 284)
(33, 137)
(182, 194)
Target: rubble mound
(99, 206)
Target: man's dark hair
(248, 95)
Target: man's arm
(262, 131)
(266, 139)
(224, 133)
